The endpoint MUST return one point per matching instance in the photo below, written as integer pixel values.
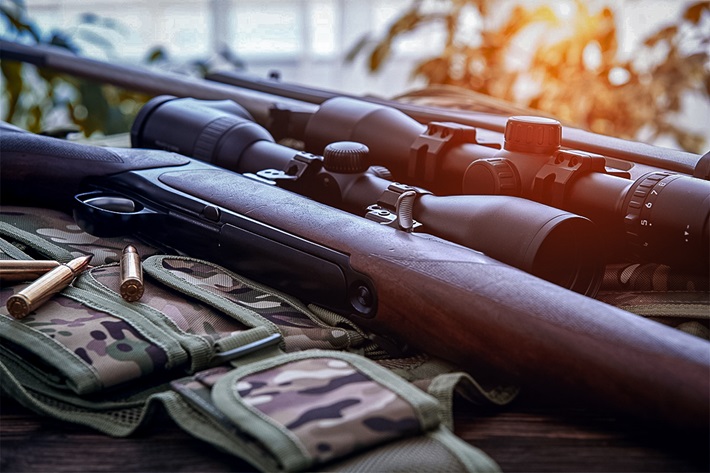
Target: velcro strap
(314, 407)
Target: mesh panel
(112, 421)
(408, 455)
(404, 363)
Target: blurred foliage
(565, 66)
(41, 100)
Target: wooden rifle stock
(443, 298)
(472, 310)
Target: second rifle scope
(658, 216)
(555, 245)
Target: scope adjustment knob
(536, 135)
(491, 176)
(346, 157)
(381, 172)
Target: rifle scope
(552, 244)
(660, 216)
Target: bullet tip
(80, 263)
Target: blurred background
(637, 69)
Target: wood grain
(524, 437)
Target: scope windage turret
(660, 217)
(550, 243)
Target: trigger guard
(105, 215)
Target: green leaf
(96, 39)
(12, 72)
(155, 55)
(62, 40)
(17, 20)
(405, 23)
(89, 18)
(35, 115)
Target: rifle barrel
(259, 97)
(573, 138)
(142, 79)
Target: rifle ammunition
(37, 293)
(131, 275)
(25, 270)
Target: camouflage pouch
(661, 293)
(89, 357)
(335, 410)
(77, 340)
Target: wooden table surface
(520, 437)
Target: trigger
(104, 215)
(113, 204)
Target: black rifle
(449, 300)
(556, 341)
(558, 246)
(492, 125)
(649, 203)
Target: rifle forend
(448, 300)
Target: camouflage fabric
(114, 350)
(329, 405)
(661, 293)
(53, 234)
(188, 314)
(300, 328)
(326, 405)
(197, 391)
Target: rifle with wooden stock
(439, 296)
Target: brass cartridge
(25, 270)
(131, 275)
(37, 293)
